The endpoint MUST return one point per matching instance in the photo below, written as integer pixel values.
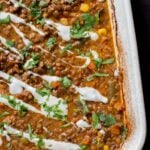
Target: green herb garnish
(32, 62)
(95, 121)
(84, 106)
(5, 113)
(79, 30)
(51, 42)
(124, 132)
(10, 43)
(97, 74)
(100, 61)
(36, 11)
(67, 47)
(66, 82)
(107, 120)
(6, 20)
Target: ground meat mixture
(60, 84)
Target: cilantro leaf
(36, 11)
(66, 82)
(84, 106)
(95, 121)
(5, 113)
(96, 74)
(32, 62)
(67, 47)
(6, 20)
(51, 42)
(124, 132)
(10, 43)
(107, 120)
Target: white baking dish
(122, 22)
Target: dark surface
(141, 14)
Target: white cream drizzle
(82, 124)
(47, 100)
(86, 93)
(25, 40)
(49, 143)
(63, 31)
(5, 101)
(90, 94)
(94, 54)
(47, 78)
(13, 56)
(15, 88)
(17, 19)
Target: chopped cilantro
(95, 121)
(43, 92)
(84, 106)
(10, 43)
(100, 61)
(108, 61)
(5, 113)
(41, 143)
(96, 74)
(66, 82)
(32, 62)
(17, 105)
(124, 132)
(83, 147)
(79, 30)
(5, 20)
(51, 42)
(67, 47)
(30, 131)
(25, 51)
(107, 120)
(36, 11)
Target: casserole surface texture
(60, 81)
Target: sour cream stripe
(5, 100)
(48, 143)
(25, 40)
(17, 19)
(86, 93)
(46, 102)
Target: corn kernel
(84, 7)
(102, 31)
(106, 147)
(64, 21)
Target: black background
(141, 14)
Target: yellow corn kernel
(84, 7)
(102, 31)
(106, 147)
(64, 21)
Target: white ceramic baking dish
(126, 48)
